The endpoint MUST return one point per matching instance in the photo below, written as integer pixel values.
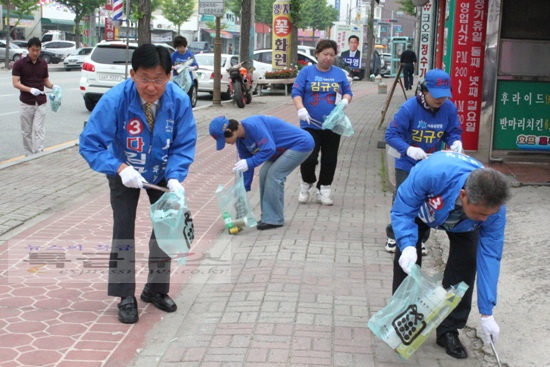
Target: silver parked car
(76, 59)
(15, 52)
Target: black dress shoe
(127, 310)
(161, 301)
(262, 226)
(452, 345)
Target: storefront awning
(57, 21)
(223, 34)
(15, 14)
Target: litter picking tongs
(495, 352)
(315, 122)
(160, 188)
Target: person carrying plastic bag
(141, 131)
(275, 144)
(181, 56)
(315, 93)
(455, 193)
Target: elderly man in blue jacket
(453, 192)
(141, 131)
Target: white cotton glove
(416, 153)
(345, 103)
(303, 115)
(490, 329)
(241, 166)
(132, 178)
(408, 257)
(175, 186)
(36, 92)
(56, 87)
(194, 68)
(457, 146)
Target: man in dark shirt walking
(408, 59)
(30, 75)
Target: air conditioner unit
(420, 2)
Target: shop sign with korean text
(427, 25)
(282, 30)
(467, 66)
(522, 116)
(211, 7)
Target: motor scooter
(240, 84)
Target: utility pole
(216, 98)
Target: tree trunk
(246, 49)
(294, 46)
(7, 58)
(144, 31)
(77, 32)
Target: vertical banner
(467, 71)
(109, 30)
(282, 27)
(448, 36)
(427, 25)
(349, 39)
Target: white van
(53, 36)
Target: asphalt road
(62, 127)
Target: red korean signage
(467, 71)
(109, 30)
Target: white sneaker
(391, 244)
(424, 249)
(304, 192)
(324, 195)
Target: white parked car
(64, 48)
(310, 50)
(76, 59)
(205, 74)
(106, 67)
(262, 61)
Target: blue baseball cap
(438, 83)
(217, 131)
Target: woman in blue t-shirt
(275, 144)
(316, 91)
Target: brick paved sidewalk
(294, 296)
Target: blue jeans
(272, 184)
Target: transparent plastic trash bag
(183, 75)
(173, 225)
(415, 310)
(338, 122)
(55, 99)
(234, 206)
